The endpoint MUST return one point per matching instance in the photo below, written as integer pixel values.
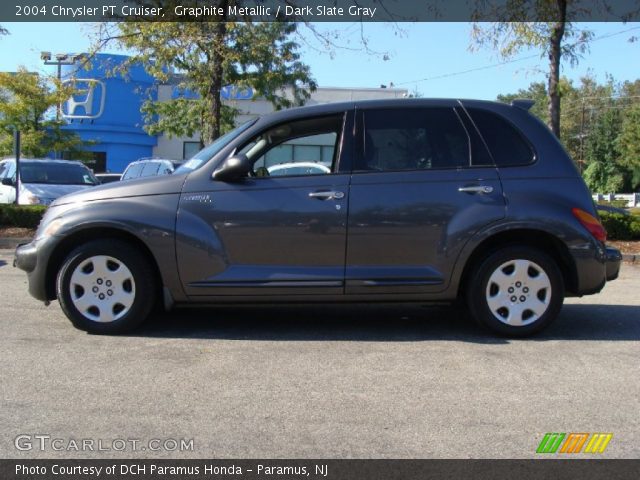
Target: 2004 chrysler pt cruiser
(412, 201)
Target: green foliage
(614, 203)
(605, 172)
(510, 37)
(600, 129)
(601, 143)
(26, 98)
(621, 227)
(206, 56)
(22, 216)
(604, 177)
(182, 117)
(628, 142)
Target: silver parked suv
(421, 201)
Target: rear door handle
(327, 195)
(476, 189)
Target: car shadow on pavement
(380, 323)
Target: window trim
(339, 145)
(361, 124)
(534, 158)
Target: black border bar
(586, 469)
(314, 10)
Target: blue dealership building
(106, 111)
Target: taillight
(591, 223)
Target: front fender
(150, 219)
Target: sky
(431, 58)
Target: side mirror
(233, 168)
(8, 182)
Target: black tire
(478, 295)
(142, 289)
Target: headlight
(29, 198)
(49, 229)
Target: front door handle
(327, 195)
(476, 189)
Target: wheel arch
(87, 234)
(529, 237)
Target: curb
(13, 242)
(630, 257)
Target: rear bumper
(595, 265)
(613, 257)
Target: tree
(559, 39)
(600, 128)
(628, 144)
(25, 100)
(205, 57)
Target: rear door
(421, 187)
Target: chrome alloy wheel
(518, 292)
(102, 288)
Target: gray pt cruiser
(412, 201)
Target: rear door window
(414, 139)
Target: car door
(263, 235)
(422, 185)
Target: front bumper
(26, 257)
(613, 257)
(30, 257)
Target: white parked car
(43, 180)
(298, 168)
(150, 167)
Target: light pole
(16, 146)
(60, 59)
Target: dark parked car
(105, 178)
(425, 201)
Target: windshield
(207, 153)
(53, 173)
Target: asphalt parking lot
(365, 382)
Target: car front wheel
(106, 286)
(516, 291)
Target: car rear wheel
(106, 286)
(516, 291)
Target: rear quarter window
(507, 145)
